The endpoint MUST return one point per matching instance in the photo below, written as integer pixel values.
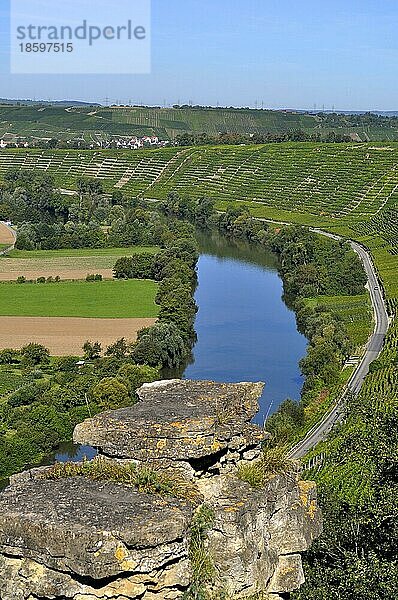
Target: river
(245, 330)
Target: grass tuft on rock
(203, 570)
(143, 478)
(272, 462)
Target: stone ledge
(178, 420)
(91, 529)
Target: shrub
(9, 356)
(111, 393)
(272, 462)
(35, 354)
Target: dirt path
(64, 336)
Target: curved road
(320, 431)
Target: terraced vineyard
(350, 189)
(355, 311)
(97, 123)
(339, 181)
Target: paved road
(320, 431)
(13, 234)
(373, 349)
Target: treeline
(169, 342)
(54, 396)
(294, 135)
(49, 220)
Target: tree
(134, 376)
(118, 349)
(92, 350)
(160, 345)
(111, 393)
(123, 268)
(34, 355)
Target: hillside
(351, 189)
(95, 124)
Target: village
(9, 140)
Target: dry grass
(272, 462)
(144, 478)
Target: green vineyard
(98, 123)
(342, 182)
(349, 189)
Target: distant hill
(13, 102)
(67, 120)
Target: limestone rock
(77, 539)
(195, 422)
(94, 530)
(247, 546)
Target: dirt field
(5, 235)
(66, 263)
(10, 272)
(65, 267)
(64, 336)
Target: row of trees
(228, 138)
(169, 342)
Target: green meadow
(106, 299)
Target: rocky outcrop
(198, 426)
(82, 539)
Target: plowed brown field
(64, 336)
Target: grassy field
(107, 299)
(67, 263)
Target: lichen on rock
(68, 537)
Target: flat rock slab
(95, 530)
(178, 420)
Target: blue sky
(283, 53)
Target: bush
(9, 356)
(111, 393)
(93, 277)
(34, 354)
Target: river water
(245, 330)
